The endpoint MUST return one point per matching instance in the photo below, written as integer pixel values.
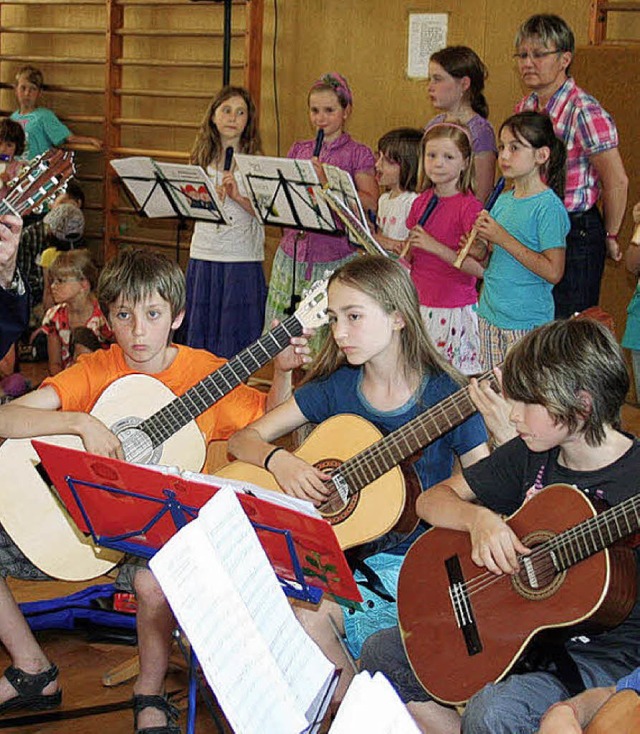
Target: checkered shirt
(587, 129)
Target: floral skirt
(454, 332)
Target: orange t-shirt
(80, 386)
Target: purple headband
(339, 85)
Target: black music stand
(157, 190)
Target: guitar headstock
(312, 310)
(47, 174)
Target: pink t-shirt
(439, 284)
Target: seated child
(64, 227)
(565, 383)
(34, 241)
(143, 295)
(73, 279)
(42, 127)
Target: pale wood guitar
(370, 494)
(154, 427)
(464, 627)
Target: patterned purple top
(352, 157)
(483, 138)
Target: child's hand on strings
(494, 408)
(636, 213)
(297, 353)
(98, 439)
(298, 478)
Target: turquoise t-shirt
(631, 338)
(513, 297)
(42, 129)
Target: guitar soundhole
(336, 509)
(137, 446)
(538, 578)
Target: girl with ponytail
(456, 84)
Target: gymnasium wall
(366, 40)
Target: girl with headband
(456, 85)
(302, 256)
(448, 296)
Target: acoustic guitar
(154, 427)
(619, 715)
(360, 458)
(463, 626)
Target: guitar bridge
(462, 606)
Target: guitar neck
(389, 451)
(176, 414)
(595, 534)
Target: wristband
(270, 455)
(611, 236)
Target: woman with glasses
(544, 51)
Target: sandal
(29, 687)
(161, 703)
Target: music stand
(146, 517)
(157, 190)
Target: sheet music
(275, 498)
(190, 188)
(263, 668)
(343, 186)
(372, 705)
(263, 176)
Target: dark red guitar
(463, 626)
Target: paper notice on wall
(427, 34)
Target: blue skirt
(225, 305)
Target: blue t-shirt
(42, 129)
(513, 297)
(341, 393)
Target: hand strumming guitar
(298, 478)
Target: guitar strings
(443, 409)
(483, 581)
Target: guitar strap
(356, 560)
(548, 653)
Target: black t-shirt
(502, 480)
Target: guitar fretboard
(595, 534)
(389, 451)
(180, 411)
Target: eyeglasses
(534, 55)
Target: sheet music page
(275, 498)
(138, 175)
(263, 176)
(189, 187)
(341, 183)
(245, 636)
(301, 662)
(193, 192)
(372, 705)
